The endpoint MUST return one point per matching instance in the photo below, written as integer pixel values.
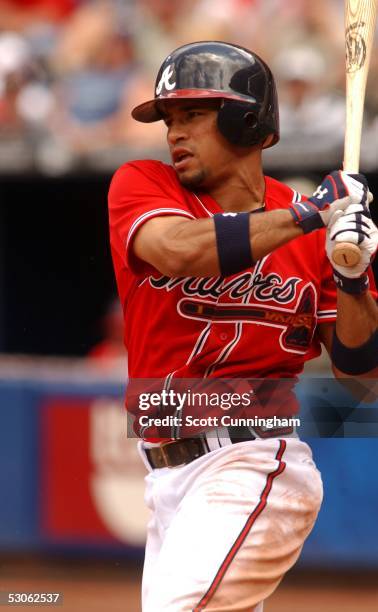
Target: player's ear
(268, 141)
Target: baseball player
(214, 263)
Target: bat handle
(346, 254)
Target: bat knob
(346, 254)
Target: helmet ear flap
(238, 123)
(251, 120)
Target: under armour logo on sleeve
(320, 193)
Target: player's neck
(243, 189)
(238, 195)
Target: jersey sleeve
(138, 192)
(373, 284)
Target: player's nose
(176, 133)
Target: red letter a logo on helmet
(164, 81)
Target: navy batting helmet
(249, 110)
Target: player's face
(201, 156)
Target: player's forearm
(357, 322)
(191, 247)
(271, 230)
(357, 318)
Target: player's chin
(192, 179)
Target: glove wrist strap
(353, 286)
(307, 216)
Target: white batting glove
(357, 187)
(356, 226)
(337, 208)
(358, 194)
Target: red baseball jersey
(258, 323)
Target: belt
(185, 450)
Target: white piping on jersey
(155, 213)
(175, 429)
(142, 282)
(168, 379)
(297, 197)
(200, 342)
(166, 387)
(323, 314)
(226, 351)
(203, 206)
(239, 326)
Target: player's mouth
(181, 157)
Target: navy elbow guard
(358, 360)
(233, 242)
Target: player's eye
(194, 113)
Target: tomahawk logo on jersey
(258, 323)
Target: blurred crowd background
(71, 70)
(72, 481)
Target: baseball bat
(360, 17)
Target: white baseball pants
(226, 527)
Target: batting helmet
(211, 69)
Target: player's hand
(337, 191)
(356, 226)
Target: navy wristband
(233, 242)
(358, 360)
(353, 286)
(306, 215)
